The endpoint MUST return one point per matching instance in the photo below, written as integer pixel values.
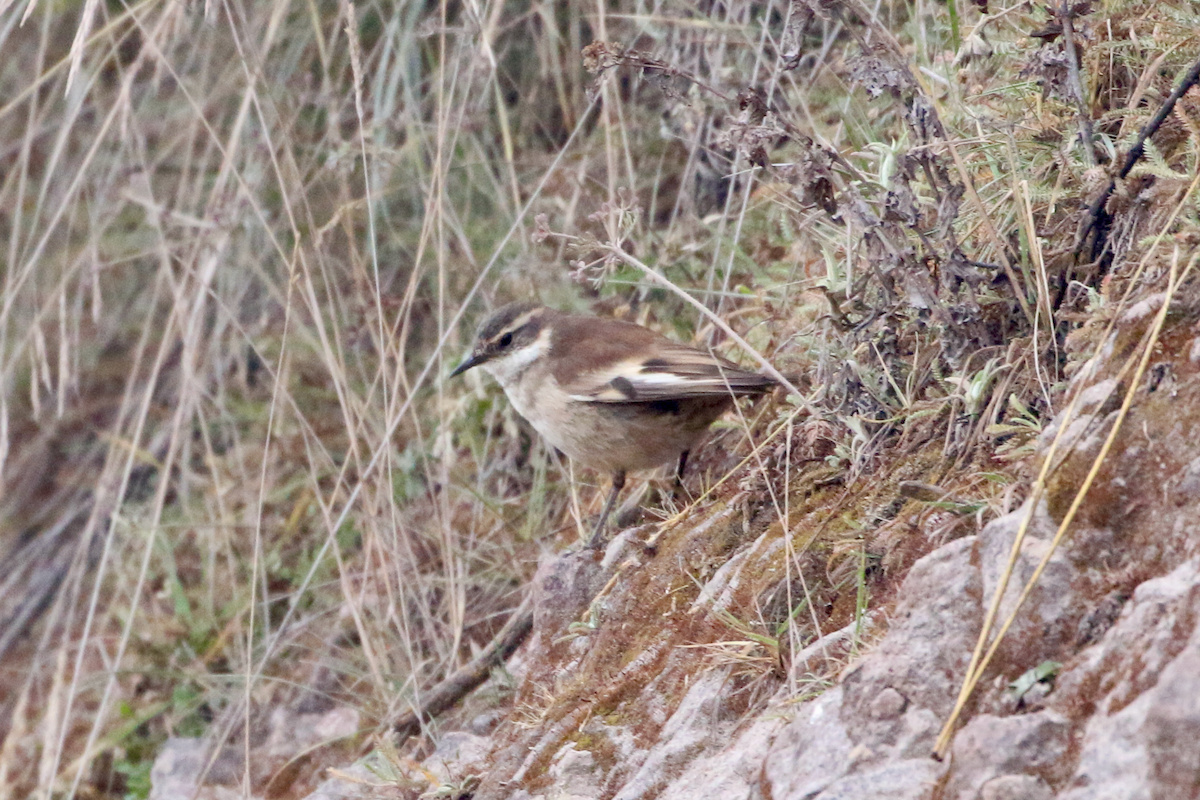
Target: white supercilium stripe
(508, 368)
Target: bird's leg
(683, 464)
(683, 457)
(618, 483)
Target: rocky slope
(639, 683)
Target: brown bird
(612, 395)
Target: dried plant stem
(980, 660)
(463, 680)
(1096, 218)
(1076, 78)
(943, 742)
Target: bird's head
(509, 340)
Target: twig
(599, 57)
(653, 274)
(1065, 14)
(469, 676)
(1097, 218)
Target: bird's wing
(640, 366)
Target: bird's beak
(472, 360)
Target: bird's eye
(506, 340)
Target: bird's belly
(613, 437)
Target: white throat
(508, 369)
